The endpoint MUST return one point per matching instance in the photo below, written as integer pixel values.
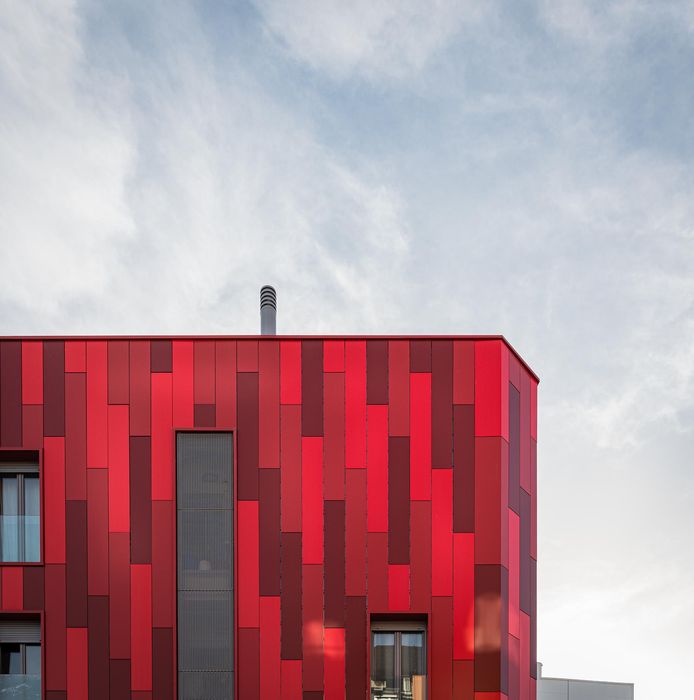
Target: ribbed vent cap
(268, 310)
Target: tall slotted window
(20, 507)
(205, 565)
(20, 658)
(398, 660)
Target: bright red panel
(203, 371)
(75, 356)
(355, 531)
(291, 680)
(334, 445)
(441, 648)
(163, 553)
(491, 388)
(54, 621)
(464, 596)
(334, 356)
(77, 664)
(12, 588)
(249, 563)
(312, 619)
(54, 499)
(290, 466)
(182, 387)
(97, 531)
(247, 355)
(140, 357)
(269, 646)
(162, 438)
(398, 587)
(225, 386)
(513, 574)
(141, 626)
(334, 651)
(97, 396)
(32, 372)
(420, 436)
(118, 470)
(420, 555)
(269, 402)
(290, 372)
(514, 675)
(463, 372)
(355, 404)
(377, 571)
(377, 468)
(442, 532)
(312, 499)
(399, 387)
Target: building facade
(267, 517)
(573, 689)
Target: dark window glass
(398, 664)
(19, 515)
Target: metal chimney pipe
(268, 310)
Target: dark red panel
(399, 387)
(491, 501)
(141, 626)
(533, 618)
(97, 531)
(248, 669)
(312, 499)
(269, 645)
(140, 387)
(312, 618)
(119, 598)
(54, 622)
(464, 680)
(355, 648)
(514, 670)
(163, 555)
(77, 664)
(119, 680)
(12, 588)
(32, 427)
(398, 587)
(533, 408)
(420, 437)
(140, 500)
(225, 387)
(75, 436)
(377, 571)
(420, 356)
(514, 449)
(377, 371)
(524, 582)
(54, 388)
(398, 500)
(247, 355)
(32, 372)
(291, 596)
(10, 393)
(33, 588)
(334, 441)
(76, 356)
(441, 648)
(269, 515)
(54, 499)
(162, 438)
(355, 529)
(491, 627)
(442, 404)
(533, 499)
(269, 401)
(514, 574)
(334, 563)
(525, 657)
(420, 555)
(203, 372)
(312, 388)
(97, 390)
(333, 355)
(98, 647)
(290, 468)
(162, 664)
(182, 383)
(204, 415)
(334, 680)
(290, 372)
(118, 371)
(355, 404)
(464, 469)
(249, 563)
(76, 562)
(463, 372)
(247, 436)
(525, 433)
(377, 468)
(161, 356)
(442, 532)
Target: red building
(267, 517)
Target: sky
(419, 166)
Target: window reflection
(398, 665)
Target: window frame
(36, 616)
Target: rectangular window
(398, 660)
(20, 507)
(204, 491)
(20, 657)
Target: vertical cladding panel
(491, 628)
(312, 499)
(420, 437)
(333, 355)
(247, 436)
(140, 387)
(119, 595)
(163, 529)
(290, 679)
(76, 562)
(269, 519)
(464, 680)
(514, 449)
(533, 499)
(140, 500)
(162, 664)
(247, 355)
(269, 645)
(32, 372)
(118, 470)
(491, 388)
(514, 370)
(463, 372)
(525, 432)
(32, 427)
(355, 530)
(398, 500)
(334, 441)
(355, 404)
(290, 598)
(399, 387)
(249, 664)
(269, 402)
(441, 648)
(77, 664)
(290, 468)
(420, 355)
(533, 618)
(377, 573)
(182, 383)
(312, 622)
(141, 626)
(203, 372)
(97, 401)
(54, 499)
(76, 356)
(225, 383)
(249, 563)
(98, 647)
(290, 372)
(118, 354)
(312, 388)
(204, 415)
(12, 588)
(33, 593)
(524, 564)
(334, 679)
(162, 461)
(161, 356)
(420, 554)
(398, 587)
(464, 468)
(97, 532)
(54, 628)
(525, 658)
(54, 388)
(491, 501)
(514, 678)
(377, 468)
(10, 393)
(334, 563)
(442, 404)
(464, 596)
(533, 408)
(442, 532)
(119, 679)
(514, 574)
(355, 647)
(376, 371)
(75, 437)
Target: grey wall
(568, 689)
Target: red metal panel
(420, 555)
(75, 437)
(491, 388)
(76, 563)
(491, 628)
(514, 675)
(514, 450)
(203, 372)
(248, 669)
(312, 500)
(163, 554)
(247, 436)
(225, 387)
(398, 587)
(248, 562)
(269, 519)
(54, 628)
(525, 689)
(118, 470)
(334, 563)
(533, 499)
(377, 371)
(441, 648)
(355, 404)
(141, 499)
(355, 529)
(269, 400)
(247, 356)
(514, 370)
(525, 433)
(334, 356)
(269, 644)
(524, 564)
(10, 393)
(97, 390)
(312, 623)
(54, 388)
(312, 388)
(76, 356)
(398, 500)
(442, 532)
(356, 646)
(377, 468)
(97, 652)
(77, 664)
(33, 594)
(182, 383)
(162, 460)
(464, 680)
(442, 404)
(377, 575)
(162, 664)
(334, 679)
(120, 679)
(32, 427)
(464, 468)
(420, 355)
(119, 598)
(97, 531)
(161, 356)
(291, 679)
(204, 415)
(140, 387)
(290, 467)
(399, 387)
(491, 502)
(141, 626)
(514, 574)
(334, 441)
(420, 440)
(463, 372)
(54, 500)
(32, 372)
(118, 371)
(12, 588)
(290, 372)
(290, 601)
(464, 596)
(533, 408)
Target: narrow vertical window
(204, 491)
(20, 530)
(398, 660)
(20, 657)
